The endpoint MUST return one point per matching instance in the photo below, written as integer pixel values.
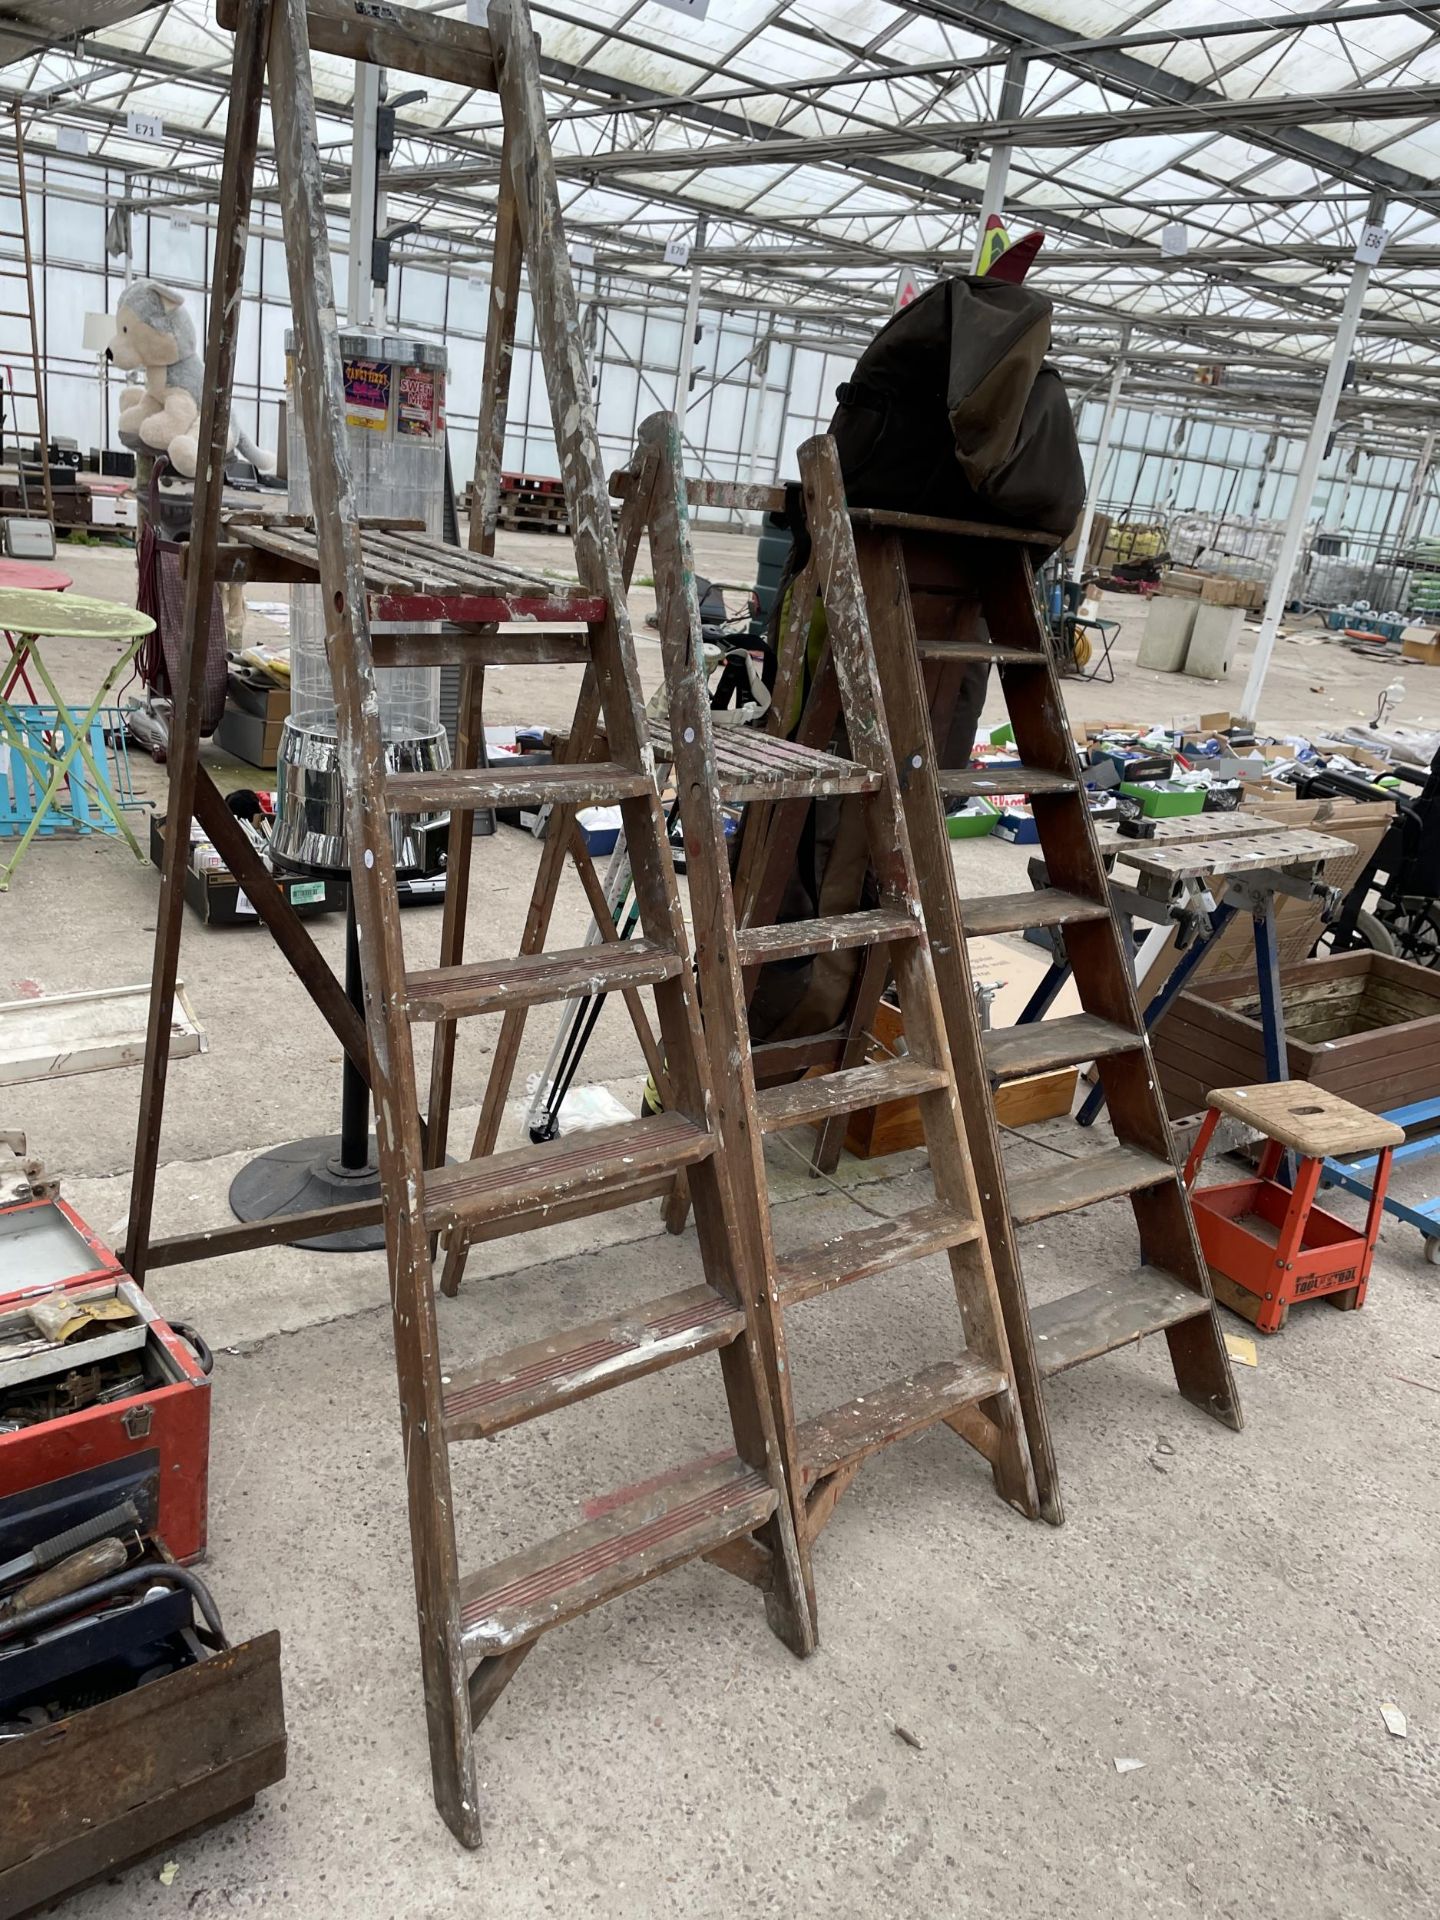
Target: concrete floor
(1230, 1610)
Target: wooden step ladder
(941, 596)
(971, 1390)
(476, 1628)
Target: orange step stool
(1269, 1245)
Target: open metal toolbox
(127, 1721)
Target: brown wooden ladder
(476, 1628)
(972, 1389)
(942, 596)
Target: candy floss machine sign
(421, 413)
(367, 393)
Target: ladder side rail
(223, 332)
(761, 1399)
(499, 360)
(320, 384)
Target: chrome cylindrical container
(395, 431)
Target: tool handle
(62, 1545)
(82, 1569)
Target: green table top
(68, 616)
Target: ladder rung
(479, 647)
(604, 784)
(851, 1090)
(964, 652)
(1015, 912)
(1084, 1180)
(864, 1425)
(1040, 1045)
(632, 1543)
(1111, 1314)
(534, 979)
(792, 938)
(545, 1374)
(525, 1184)
(870, 1250)
(966, 783)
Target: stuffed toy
(154, 331)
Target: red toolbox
(120, 1409)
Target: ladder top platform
(413, 576)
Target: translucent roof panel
(826, 144)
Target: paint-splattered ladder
(941, 598)
(971, 1389)
(476, 1628)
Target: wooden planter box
(1364, 1025)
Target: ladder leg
(761, 1398)
(367, 820)
(236, 180)
(485, 500)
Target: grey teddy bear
(153, 330)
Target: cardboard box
(255, 693)
(249, 738)
(1424, 651)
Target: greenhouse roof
(1201, 182)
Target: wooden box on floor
(894, 1126)
(1361, 1024)
(104, 1787)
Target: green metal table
(30, 617)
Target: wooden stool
(1267, 1244)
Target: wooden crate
(1361, 1024)
(894, 1126)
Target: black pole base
(305, 1175)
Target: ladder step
(513, 1602)
(599, 785)
(963, 652)
(534, 979)
(480, 647)
(1016, 912)
(806, 1102)
(863, 1426)
(972, 780)
(793, 938)
(870, 1250)
(1111, 1314)
(545, 1374)
(1083, 1181)
(1013, 1052)
(530, 1186)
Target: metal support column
(1309, 473)
(364, 173)
(1102, 454)
(688, 327)
(992, 200)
